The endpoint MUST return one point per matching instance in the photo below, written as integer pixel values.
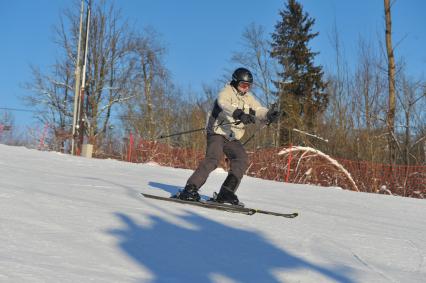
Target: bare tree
(368, 92)
(411, 100)
(391, 83)
(110, 68)
(151, 74)
(150, 85)
(7, 127)
(109, 71)
(338, 119)
(52, 94)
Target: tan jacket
(227, 102)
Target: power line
(17, 109)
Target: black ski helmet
(242, 75)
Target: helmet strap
(234, 84)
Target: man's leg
(214, 153)
(238, 159)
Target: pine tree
(300, 86)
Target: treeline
(349, 111)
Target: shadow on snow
(179, 254)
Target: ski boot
(189, 193)
(227, 192)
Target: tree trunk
(391, 80)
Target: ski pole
(181, 133)
(195, 130)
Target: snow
(71, 219)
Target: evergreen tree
(300, 84)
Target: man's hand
(272, 116)
(243, 117)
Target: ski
(223, 207)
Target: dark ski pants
(218, 145)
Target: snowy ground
(71, 219)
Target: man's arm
(225, 103)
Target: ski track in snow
(371, 267)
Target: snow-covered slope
(71, 219)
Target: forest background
(372, 110)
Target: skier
(234, 108)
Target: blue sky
(201, 36)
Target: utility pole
(77, 81)
(80, 109)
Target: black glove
(243, 117)
(272, 116)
